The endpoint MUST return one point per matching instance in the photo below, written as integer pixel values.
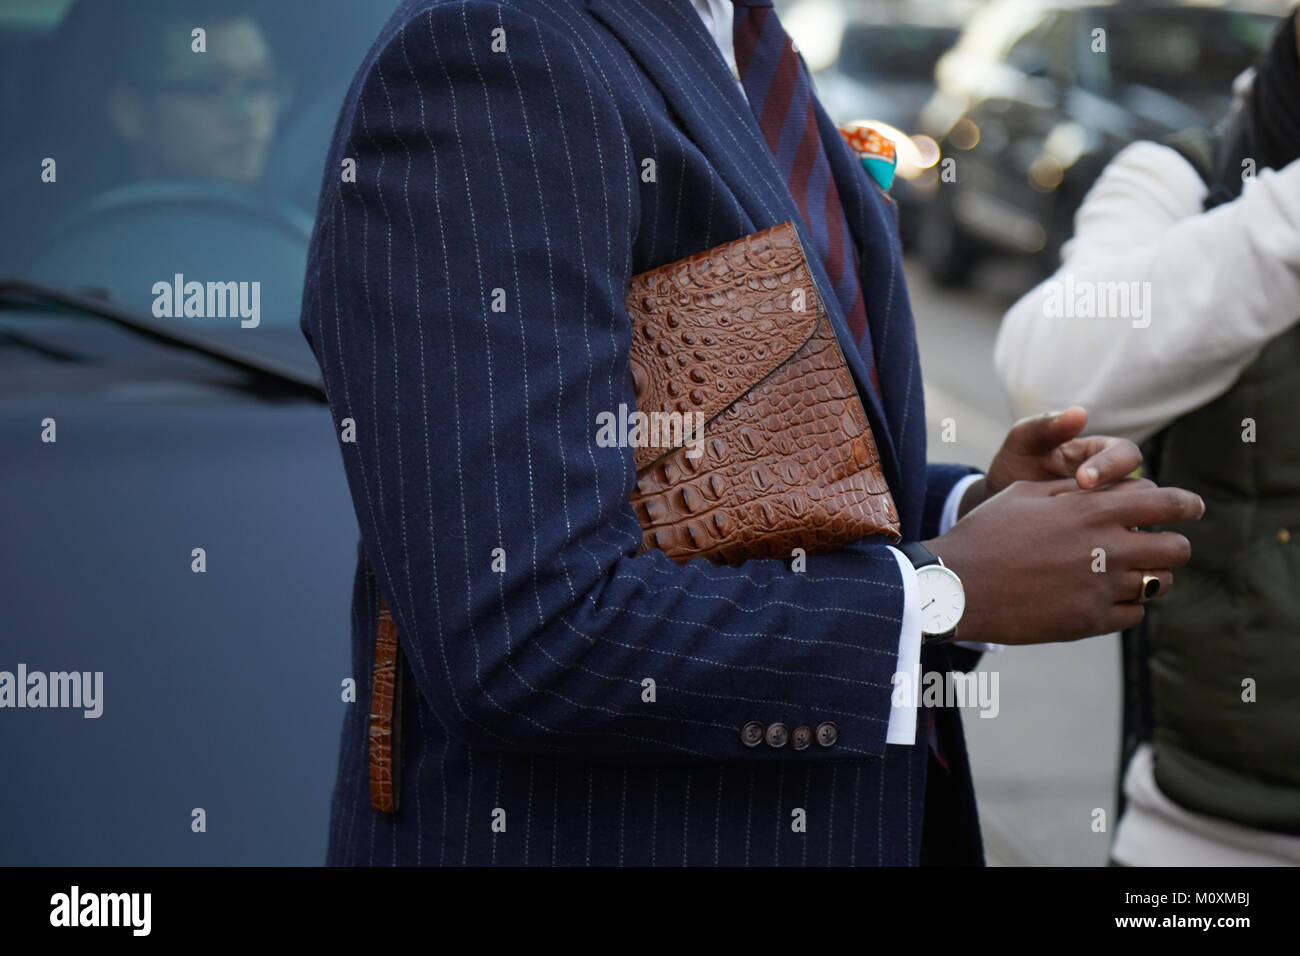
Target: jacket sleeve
(465, 301)
(1204, 293)
(939, 483)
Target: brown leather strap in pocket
(385, 708)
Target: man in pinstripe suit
(516, 162)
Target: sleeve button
(827, 734)
(801, 738)
(777, 735)
(751, 735)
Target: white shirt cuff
(902, 717)
(948, 517)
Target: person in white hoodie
(1173, 320)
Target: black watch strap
(918, 554)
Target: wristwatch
(942, 597)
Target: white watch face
(942, 599)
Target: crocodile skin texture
(789, 460)
(385, 703)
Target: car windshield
(1186, 50)
(167, 154)
(893, 52)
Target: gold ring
(1150, 588)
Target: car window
(32, 14)
(1048, 50)
(874, 52)
(1184, 50)
(993, 31)
(169, 152)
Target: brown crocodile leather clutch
(737, 339)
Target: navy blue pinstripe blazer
(464, 297)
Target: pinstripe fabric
(464, 299)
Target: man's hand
(1047, 447)
(1026, 558)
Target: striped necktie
(780, 93)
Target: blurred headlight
(964, 134)
(1046, 173)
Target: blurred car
(876, 66)
(884, 70)
(1038, 95)
(175, 514)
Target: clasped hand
(1048, 544)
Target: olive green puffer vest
(1224, 645)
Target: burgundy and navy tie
(780, 93)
